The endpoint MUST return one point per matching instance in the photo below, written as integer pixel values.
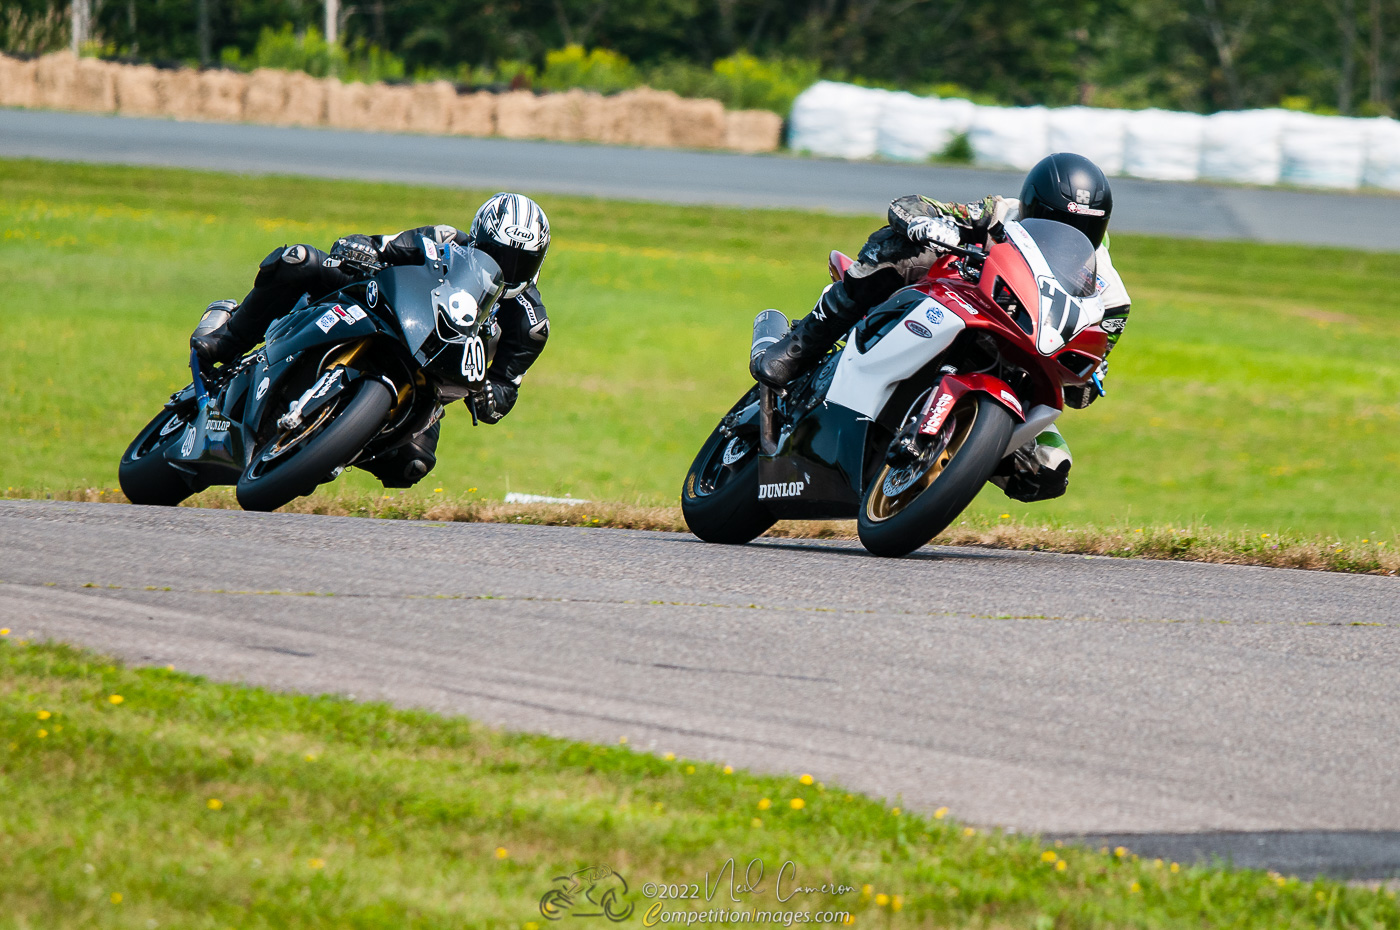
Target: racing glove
(492, 404)
(1080, 396)
(355, 254)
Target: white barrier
(1383, 154)
(913, 128)
(1244, 147)
(1009, 137)
(836, 119)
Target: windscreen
(473, 271)
(1068, 252)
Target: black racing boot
(838, 309)
(214, 340)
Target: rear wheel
(145, 475)
(906, 505)
(719, 499)
(294, 462)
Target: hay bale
(265, 99)
(179, 93)
(347, 105)
(752, 131)
(698, 124)
(516, 115)
(55, 77)
(430, 107)
(17, 87)
(644, 116)
(95, 86)
(388, 107)
(138, 92)
(221, 95)
(567, 117)
(305, 100)
(473, 115)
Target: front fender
(953, 387)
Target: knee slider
(283, 264)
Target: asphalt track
(1180, 709)
(1370, 222)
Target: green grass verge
(150, 798)
(1255, 389)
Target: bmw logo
(372, 293)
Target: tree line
(1204, 55)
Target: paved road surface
(1037, 691)
(1196, 210)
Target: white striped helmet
(513, 230)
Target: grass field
(148, 798)
(1256, 388)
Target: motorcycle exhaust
(768, 327)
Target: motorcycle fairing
(952, 387)
(816, 472)
(921, 328)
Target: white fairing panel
(864, 383)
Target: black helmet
(513, 230)
(1070, 189)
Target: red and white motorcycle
(902, 424)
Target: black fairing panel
(408, 289)
(823, 453)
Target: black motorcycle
(339, 382)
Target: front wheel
(294, 462)
(906, 506)
(145, 475)
(719, 499)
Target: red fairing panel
(837, 263)
(953, 387)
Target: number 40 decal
(474, 359)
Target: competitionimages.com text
(656, 916)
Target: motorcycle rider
(511, 228)
(1064, 187)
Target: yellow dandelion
(1006, 516)
(1176, 867)
(756, 822)
(806, 779)
(896, 811)
(1120, 851)
(1061, 865)
(865, 891)
(1157, 863)
(115, 699)
(170, 668)
(116, 897)
(437, 490)
(531, 925)
(764, 804)
(44, 715)
(472, 491)
(850, 919)
(316, 863)
(5, 631)
(502, 852)
(1048, 856)
(1134, 888)
(214, 804)
(882, 899)
(940, 813)
(1263, 535)
(622, 741)
(43, 734)
(310, 757)
(728, 770)
(797, 804)
(670, 757)
(896, 903)
(690, 770)
(968, 831)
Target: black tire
(145, 475)
(353, 421)
(719, 498)
(895, 525)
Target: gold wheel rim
(879, 507)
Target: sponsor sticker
(187, 446)
(372, 293)
(217, 425)
(1083, 210)
(735, 451)
(941, 407)
(171, 426)
(934, 314)
(918, 329)
(781, 489)
(1099, 283)
(262, 388)
(430, 249)
(521, 234)
(953, 295)
(326, 321)
(328, 381)
(341, 312)
(356, 313)
(457, 250)
(1012, 399)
